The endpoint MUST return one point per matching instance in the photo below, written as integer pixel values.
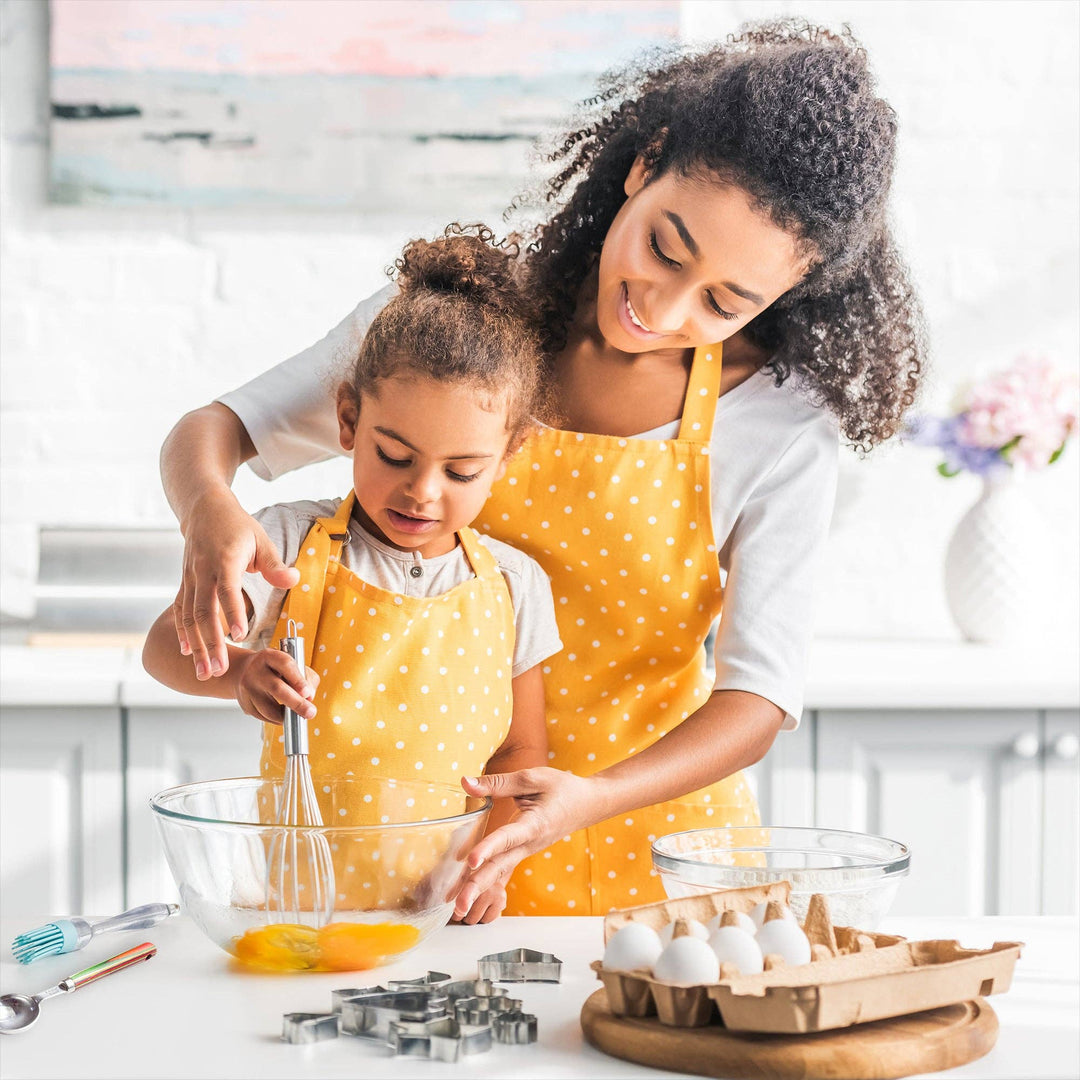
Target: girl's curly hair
(460, 315)
(787, 111)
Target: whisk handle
(295, 726)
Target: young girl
(720, 291)
(424, 641)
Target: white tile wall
(112, 323)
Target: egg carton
(854, 976)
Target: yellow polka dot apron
(412, 688)
(624, 529)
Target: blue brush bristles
(50, 940)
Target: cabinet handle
(1026, 745)
(1066, 747)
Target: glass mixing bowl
(858, 873)
(396, 872)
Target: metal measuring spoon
(19, 1011)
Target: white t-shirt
(774, 465)
(408, 573)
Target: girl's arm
(199, 460)
(260, 681)
(525, 747)
(731, 731)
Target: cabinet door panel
(1061, 849)
(61, 806)
(955, 789)
(170, 746)
(783, 780)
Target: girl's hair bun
(465, 261)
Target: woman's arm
(199, 460)
(731, 731)
(525, 747)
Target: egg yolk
(335, 947)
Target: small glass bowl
(396, 873)
(858, 873)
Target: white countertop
(187, 1013)
(946, 674)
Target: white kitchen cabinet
(61, 811)
(1061, 813)
(170, 746)
(964, 790)
(783, 780)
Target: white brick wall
(112, 323)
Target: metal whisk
(299, 868)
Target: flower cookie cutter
(520, 965)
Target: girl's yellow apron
(411, 688)
(624, 529)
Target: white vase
(995, 563)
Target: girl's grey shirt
(408, 573)
(774, 466)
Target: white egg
(784, 936)
(733, 945)
(687, 960)
(697, 929)
(743, 920)
(632, 947)
(758, 913)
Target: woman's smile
(631, 321)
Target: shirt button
(416, 571)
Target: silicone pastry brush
(68, 935)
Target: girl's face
(688, 262)
(425, 455)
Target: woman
(720, 291)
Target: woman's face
(688, 262)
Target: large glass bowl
(395, 875)
(858, 873)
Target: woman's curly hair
(787, 111)
(460, 316)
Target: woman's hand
(221, 541)
(269, 679)
(550, 803)
(487, 907)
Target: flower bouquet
(1020, 416)
(1008, 423)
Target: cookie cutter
(369, 1016)
(431, 979)
(481, 988)
(514, 1027)
(309, 1027)
(440, 1040)
(520, 965)
(479, 1010)
(338, 996)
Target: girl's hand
(551, 803)
(270, 679)
(487, 907)
(221, 541)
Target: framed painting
(368, 105)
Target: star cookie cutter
(369, 1016)
(440, 1040)
(520, 965)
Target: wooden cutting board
(902, 1046)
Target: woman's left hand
(550, 804)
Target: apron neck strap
(702, 393)
(322, 545)
(480, 558)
